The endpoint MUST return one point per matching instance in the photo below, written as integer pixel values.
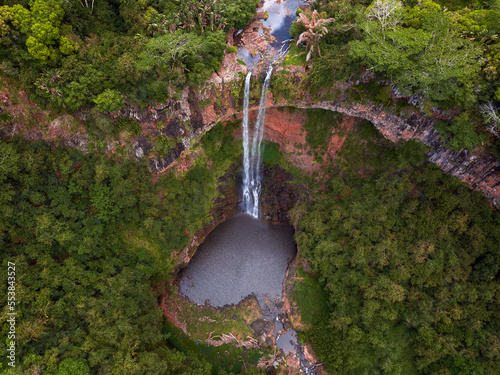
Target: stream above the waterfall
(281, 14)
(240, 257)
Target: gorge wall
(480, 171)
(220, 100)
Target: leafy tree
(72, 366)
(426, 58)
(22, 18)
(42, 25)
(109, 101)
(460, 133)
(134, 13)
(67, 46)
(5, 18)
(168, 49)
(186, 54)
(448, 67)
(238, 13)
(393, 50)
(387, 13)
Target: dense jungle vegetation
(410, 261)
(435, 54)
(71, 54)
(404, 260)
(90, 237)
(407, 263)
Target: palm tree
(315, 31)
(205, 13)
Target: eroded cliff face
(221, 99)
(279, 195)
(285, 128)
(480, 171)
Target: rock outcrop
(279, 196)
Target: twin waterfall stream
(251, 155)
(244, 256)
(286, 339)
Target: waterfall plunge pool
(240, 257)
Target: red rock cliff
(220, 100)
(480, 171)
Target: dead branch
(219, 340)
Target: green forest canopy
(407, 261)
(408, 258)
(440, 54)
(410, 261)
(71, 54)
(90, 238)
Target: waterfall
(251, 156)
(246, 151)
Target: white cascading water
(251, 156)
(246, 151)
